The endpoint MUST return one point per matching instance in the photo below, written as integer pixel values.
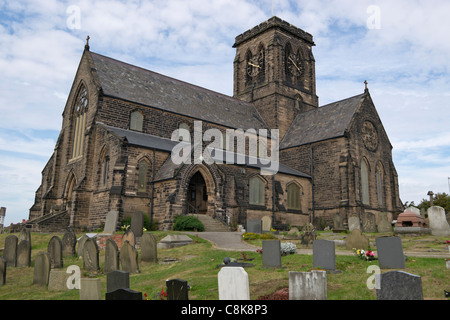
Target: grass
(198, 264)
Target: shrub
(187, 223)
(287, 248)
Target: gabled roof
(327, 122)
(127, 82)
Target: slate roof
(124, 81)
(169, 168)
(327, 122)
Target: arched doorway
(197, 194)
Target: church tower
(274, 68)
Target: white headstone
(308, 285)
(438, 222)
(233, 284)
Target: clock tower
(274, 69)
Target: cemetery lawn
(198, 264)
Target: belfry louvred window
(80, 114)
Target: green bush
(187, 223)
(148, 225)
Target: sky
(400, 47)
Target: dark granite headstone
(123, 294)
(324, 255)
(399, 285)
(177, 289)
(117, 280)
(254, 226)
(55, 252)
(2, 271)
(390, 253)
(271, 253)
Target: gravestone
(2, 271)
(308, 285)
(91, 256)
(266, 224)
(10, 250)
(111, 256)
(399, 285)
(353, 223)
(55, 253)
(338, 222)
(177, 289)
(309, 234)
(384, 225)
(117, 280)
(24, 254)
(356, 240)
(41, 269)
(130, 237)
(254, 226)
(129, 258)
(137, 223)
(90, 289)
(233, 284)
(81, 241)
(148, 248)
(25, 235)
(438, 222)
(324, 255)
(123, 294)
(69, 241)
(390, 253)
(174, 240)
(271, 253)
(369, 222)
(58, 280)
(111, 222)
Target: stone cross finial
(366, 83)
(87, 43)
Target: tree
(439, 199)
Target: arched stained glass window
(293, 197)
(256, 191)
(136, 121)
(364, 182)
(379, 178)
(80, 115)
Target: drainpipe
(312, 181)
(153, 186)
(273, 200)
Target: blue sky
(400, 47)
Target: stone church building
(114, 151)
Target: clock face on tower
(254, 65)
(369, 135)
(294, 64)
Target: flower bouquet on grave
(365, 255)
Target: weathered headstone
(384, 225)
(149, 251)
(111, 257)
(438, 222)
(81, 241)
(233, 284)
(308, 235)
(308, 285)
(177, 289)
(10, 250)
(271, 253)
(254, 226)
(25, 235)
(390, 253)
(90, 289)
(69, 241)
(338, 222)
(324, 255)
(58, 280)
(111, 222)
(55, 252)
(369, 222)
(117, 280)
(91, 256)
(266, 223)
(130, 237)
(41, 269)
(2, 271)
(354, 223)
(356, 240)
(123, 294)
(137, 223)
(399, 285)
(174, 240)
(24, 254)
(129, 258)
